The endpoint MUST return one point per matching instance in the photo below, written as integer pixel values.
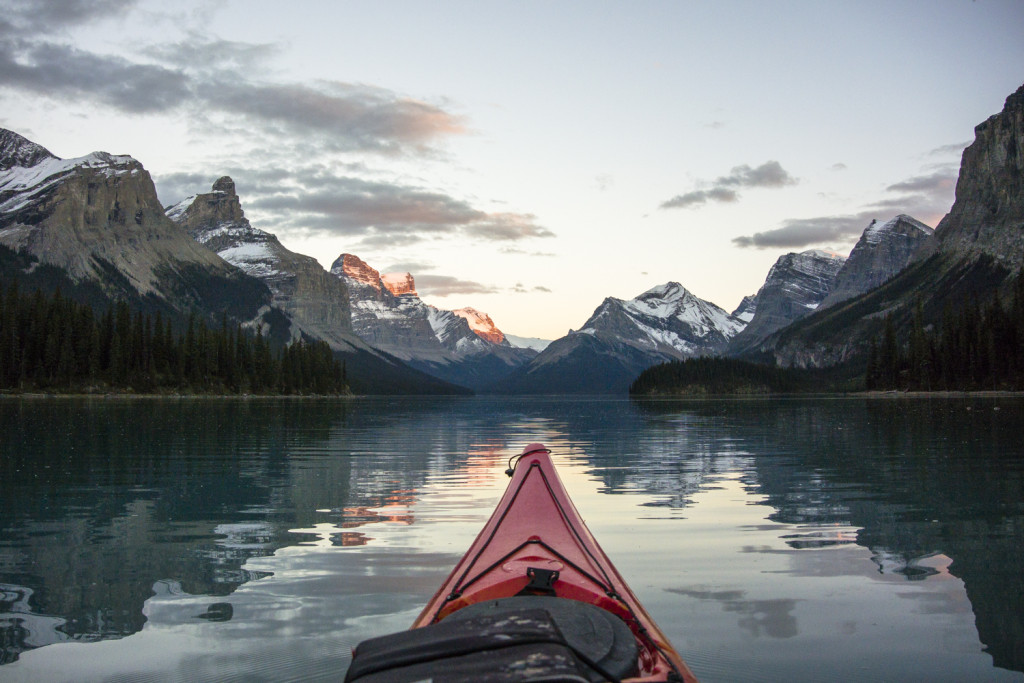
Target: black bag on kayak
(513, 646)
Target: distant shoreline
(996, 393)
(115, 395)
(882, 395)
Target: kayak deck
(536, 546)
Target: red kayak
(534, 599)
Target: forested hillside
(53, 343)
(979, 347)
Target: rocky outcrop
(987, 217)
(623, 338)
(399, 283)
(98, 219)
(388, 314)
(356, 270)
(316, 301)
(16, 150)
(795, 287)
(745, 311)
(975, 254)
(884, 249)
(481, 324)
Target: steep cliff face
(98, 218)
(987, 217)
(315, 301)
(795, 287)
(388, 314)
(884, 249)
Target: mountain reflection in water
(294, 528)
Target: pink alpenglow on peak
(481, 324)
(357, 269)
(399, 283)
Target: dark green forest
(978, 347)
(725, 376)
(53, 343)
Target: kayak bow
(536, 553)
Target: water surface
(809, 539)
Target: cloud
(718, 194)
(956, 148)
(940, 183)
(507, 227)
(207, 78)
(838, 167)
(349, 117)
(409, 267)
(354, 206)
(65, 72)
(446, 285)
(770, 174)
(801, 232)
(34, 16)
(925, 197)
(520, 288)
(200, 52)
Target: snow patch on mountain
(535, 343)
(255, 259)
(19, 185)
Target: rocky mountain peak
(987, 217)
(98, 218)
(666, 293)
(399, 283)
(224, 184)
(884, 249)
(351, 266)
(207, 216)
(481, 324)
(795, 287)
(16, 150)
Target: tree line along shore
(54, 344)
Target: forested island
(55, 344)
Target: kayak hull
(536, 543)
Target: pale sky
(525, 158)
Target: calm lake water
(801, 539)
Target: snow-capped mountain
(884, 249)
(463, 347)
(623, 338)
(315, 301)
(97, 219)
(666, 319)
(796, 285)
